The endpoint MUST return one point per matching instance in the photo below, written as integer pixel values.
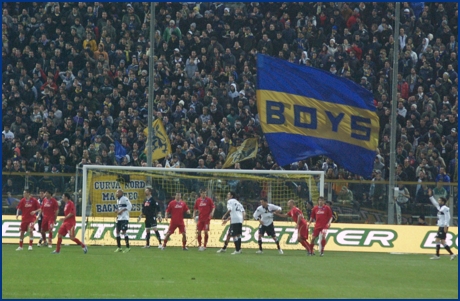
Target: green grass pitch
(173, 273)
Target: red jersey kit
(295, 213)
(70, 208)
(69, 223)
(205, 207)
(49, 208)
(322, 215)
(26, 207)
(177, 210)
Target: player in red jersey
(29, 206)
(205, 206)
(323, 216)
(176, 208)
(301, 225)
(49, 211)
(68, 225)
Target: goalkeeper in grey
(124, 207)
(264, 214)
(443, 224)
(151, 210)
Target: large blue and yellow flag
(161, 146)
(307, 112)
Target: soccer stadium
(189, 149)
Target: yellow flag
(247, 150)
(161, 146)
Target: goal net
(100, 183)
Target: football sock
(448, 249)
(43, 239)
(323, 244)
(119, 241)
(260, 244)
(309, 246)
(20, 243)
(225, 245)
(58, 247)
(50, 237)
(438, 246)
(31, 241)
(206, 236)
(77, 241)
(165, 241)
(147, 238)
(127, 241)
(184, 242)
(320, 243)
(305, 245)
(277, 243)
(235, 241)
(199, 239)
(157, 234)
(239, 243)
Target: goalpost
(100, 183)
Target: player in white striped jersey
(264, 214)
(236, 212)
(124, 207)
(443, 224)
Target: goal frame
(86, 168)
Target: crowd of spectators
(76, 76)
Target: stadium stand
(75, 84)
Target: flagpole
(151, 89)
(394, 114)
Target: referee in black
(151, 210)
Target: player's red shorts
(203, 225)
(173, 227)
(303, 231)
(66, 228)
(318, 230)
(25, 226)
(47, 224)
